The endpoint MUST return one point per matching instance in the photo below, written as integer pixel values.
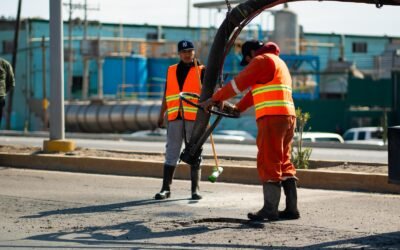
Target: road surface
(71, 210)
(325, 154)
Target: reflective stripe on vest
(191, 85)
(274, 97)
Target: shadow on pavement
(378, 241)
(136, 235)
(117, 207)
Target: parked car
(364, 135)
(155, 134)
(241, 133)
(320, 137)
(232, 135)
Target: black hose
(236, 19)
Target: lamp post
(57, 142)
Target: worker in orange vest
(181, 77)
(270, 84)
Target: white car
(220, 135)
(158, 133)
(239, 133)
(364, 135)
(319, 137)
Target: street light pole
(70, 54)
(57, 140)
(188, 13)
(56, 71)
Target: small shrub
(300, 155)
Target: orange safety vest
(191, 84)
(274, 97)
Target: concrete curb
(313, 163)
(233, 174)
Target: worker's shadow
(116, 207)
(137, 235)
(126, 233)
(119, 234)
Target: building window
(360, 47)
(154, 36)
(8, 47)
(77, 82)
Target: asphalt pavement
(53, 210)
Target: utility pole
(70, 53)
(45, 102)
(100, 62)
(14, 64)
(85, 82)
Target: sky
(314, 16)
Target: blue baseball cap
(185, 45)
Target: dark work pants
(2, 104)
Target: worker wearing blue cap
(181, 77)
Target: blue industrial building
(131, 62)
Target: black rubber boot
(272, 195)
(195, 174)
(291, 211)
(167, 181)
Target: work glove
(207, 104)
(230, 108)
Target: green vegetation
(300, 155)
